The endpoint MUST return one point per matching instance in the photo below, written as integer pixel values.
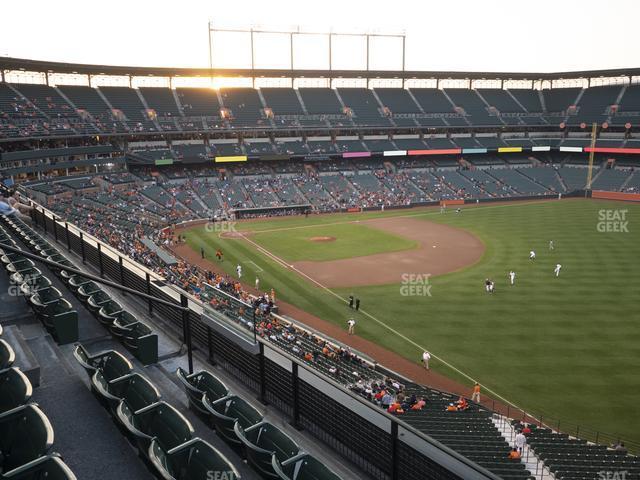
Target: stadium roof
(9, 63)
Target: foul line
(281, 262)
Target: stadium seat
(193, 460)
(107, 311)
(19, 265)
(97, 300)
(228, 411)
(76, 281)
(50, 467)
(302, 467)
(15, 389)
(160, 422)
(262, 442)
(86, 290)
(136, 391)
(111, 363)
(7, 355)
(60, 319)
(25, 434)
(34, 285)
(40, 300)
(122, 321)
(198, 384)
(19, 278)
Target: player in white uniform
(532, 255)
(551, 247)
(557, 270)
(239, 271)
(512, 277)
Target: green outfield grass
(564, 348)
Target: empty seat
(264, 441)
(19, 265)
(228, 411)
(133, 389)
(302, 467)
(111, 363)
(25, 434)
(61, 320)
(76, 281)
(7, 355)
(49, 467)
(19, 278)
(160, 422)
(107, 311)
(44, 297)
(34, 285)
(15, 389)
(95, 301)
(86, 290)
(139, 340)
(200, 383)
(193, 460)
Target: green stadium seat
(15, 389)
(136, 391)
(40, 300)
(107, 311)
(302, 467)
(19, 265)
(7, 355)
(122, 321)
(34, 285)
(76, 281)
(198, 384)
(95, 301)
(193, 460)
(86, 290)
(160, 422)
(61, 320)
(19, 278)
(10, 257)
(49, 467)
(111, 363)
(228, 411)
(264, 441)
(25, 434)
(142, 342)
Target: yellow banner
(233, 158)
(509, 149)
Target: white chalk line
(281, 262)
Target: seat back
(25, 434)
(15, 389)
(49, 467)
(7, 355)
(139, 393)
(115, 366)
(167, 425)
(302, 467)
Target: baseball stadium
(318, 273)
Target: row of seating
(266, 448)
(26, 434)
(48, 303)
(572, 458)
(163, 436)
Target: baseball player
(551, 247)
(532, 255)
(557, 269)
(352, 326)
(239, 270)
(512, 277)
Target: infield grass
(562, 348)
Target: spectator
(521, 441)
(475, 397)
(514, 454)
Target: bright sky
(477, 35)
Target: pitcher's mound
(323, 239)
